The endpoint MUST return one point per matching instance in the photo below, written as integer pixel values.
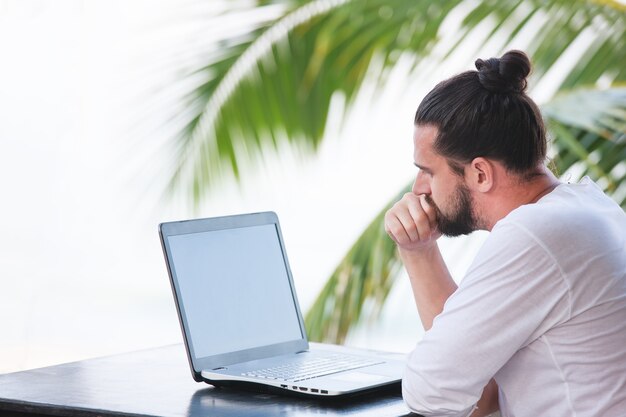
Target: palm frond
(275, 86)
(279, 88)
(589, 136)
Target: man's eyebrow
(423, 168)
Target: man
(537, 326)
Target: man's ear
(480, 175)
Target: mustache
(431, 202)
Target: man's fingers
(389, 231)
(408, 223)
(420, 218)
(394, 228)
(429, 210)
(412, 221)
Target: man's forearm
(430, 280)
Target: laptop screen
(234, 287)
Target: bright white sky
(82, 167)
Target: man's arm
(430, 281)
(411, 223)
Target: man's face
(444, 190)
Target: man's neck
(547, 190)
(514, 193)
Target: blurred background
(118, 115)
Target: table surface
(157, 382)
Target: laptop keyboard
(312, 368)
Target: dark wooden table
(157, 382)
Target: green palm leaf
(274, 85)
(590, 137)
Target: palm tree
(272, 85)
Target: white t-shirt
(542, 310)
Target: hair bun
(506, 74)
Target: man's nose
(420, 185)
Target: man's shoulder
(571, 212)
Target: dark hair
(487, 113)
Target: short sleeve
(513, 292)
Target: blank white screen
(235, 289)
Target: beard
(461, 220)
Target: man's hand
(411, 223)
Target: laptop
(240, 316)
